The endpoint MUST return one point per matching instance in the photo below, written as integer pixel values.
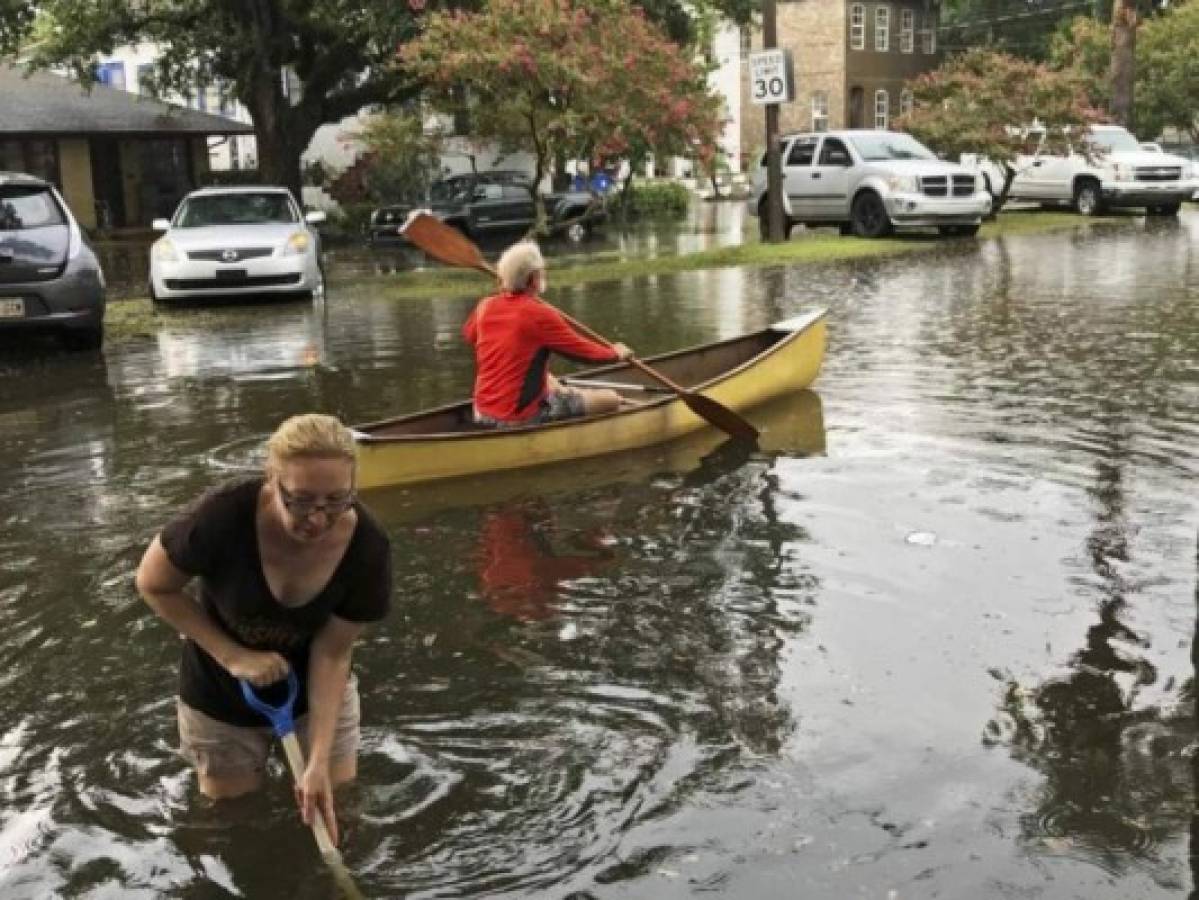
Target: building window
(907, 31)
(820, 110)
(882, 109)
(882, 29)
(905, 102)
(747, 42)
(928, 37)
(145, 77)
(111, 74)
(857, 27)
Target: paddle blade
(443, 242)
(720, 416)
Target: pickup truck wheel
(576, 232)
(869, 216)
(1087, 198)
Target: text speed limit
(770, 77)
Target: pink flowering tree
(592, 79)
(979, 101)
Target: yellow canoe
(741, 373)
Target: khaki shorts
(217, 748)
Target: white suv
(871, 182)
(1108, 167)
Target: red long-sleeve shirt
(513, 336)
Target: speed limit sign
(770, 79)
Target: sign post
(771, 83)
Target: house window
(145, 75)
(928, 37)
(820, 110)
(747, 41)
(907, 30)
(201, 97)
(905, 102)
(111, 74)
(857, 27)
(882, 29)
(882, 108)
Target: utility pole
(774, 165)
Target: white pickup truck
(1105, 167)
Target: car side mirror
(161, 224)
(315, 217)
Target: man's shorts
(218, 749)
(563, 403)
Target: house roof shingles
(45, 104)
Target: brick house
(852, 61)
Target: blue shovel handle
(280, 716)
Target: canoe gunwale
(793, 327)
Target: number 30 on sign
(770, 79)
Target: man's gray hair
(518, 265)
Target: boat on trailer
(740, 373)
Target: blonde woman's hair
(312, 436)
(518, 265)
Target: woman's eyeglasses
(302, 507)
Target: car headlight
(907, 184)
(297, 244)
(164, 251)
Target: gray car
(49, 277)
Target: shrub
(652, 200)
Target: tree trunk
(279, 158)
(1124, 39)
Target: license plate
(12, 308)
(231, 274)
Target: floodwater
(932, 640)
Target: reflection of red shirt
(517, 573)
(513, 336)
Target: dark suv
(49, 277)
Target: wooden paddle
(450, 246)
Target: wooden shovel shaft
(330, 853)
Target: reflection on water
(687, 670)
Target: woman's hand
(258, 668)
(314, 794)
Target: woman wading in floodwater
(290, 568)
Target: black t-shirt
(215, 539)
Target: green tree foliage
(1167, 86)
(401, 160)
(585, 78)
(293, 64)
(1017, 27)
(1167, 65)
(978, 101)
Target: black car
(499, 201)
(49, 276)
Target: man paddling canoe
(291, 568)
(513, 333)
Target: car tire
(1088, 199)
(577, 232)
(1164, 209)
(80, 339)
(869, 217)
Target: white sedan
(236, 241)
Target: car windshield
(873, 147)
(24, 207)
(235, 209)
(1116, 140)
(451, 190)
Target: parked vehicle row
(870, 183)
